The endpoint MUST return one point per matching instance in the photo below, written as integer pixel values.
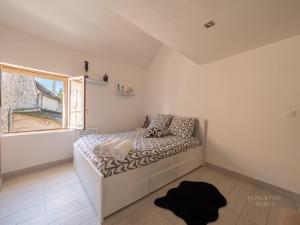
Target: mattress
(145, 150)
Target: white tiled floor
(55, 196)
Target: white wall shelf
(125, 93)
(94, 81)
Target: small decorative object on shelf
(124, 90)
(146, 122)
(86, 67)
(105, 77)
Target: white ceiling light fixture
(209, 24)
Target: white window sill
(36, 132)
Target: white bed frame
(111, 194)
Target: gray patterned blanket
(144, 152)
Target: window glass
(31, 103)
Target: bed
(112, 185)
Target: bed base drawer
(166, 176)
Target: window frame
(4, 67)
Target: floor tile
(158, 219)
(4, 211)
(81, 216)
(226, 184)
(245, 222)
(23, 215)
(255, 214)
(279, 203)
(55, 196)
(226, 217)
(237, 200)
(173, 219)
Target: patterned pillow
(152, 132)
(183, 126)
(160, 123)
(165, 132)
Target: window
(35, 100)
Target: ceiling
(128, 30)
(240, 24)
(87, 25)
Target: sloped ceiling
(240, 24)
(130, 31)
(86, 25)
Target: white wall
(19, 151)
(106, 110)
(246, 98)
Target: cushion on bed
(160, 123)
(165, 132)
(183, 126)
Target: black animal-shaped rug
(197, 203)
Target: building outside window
(37, 101)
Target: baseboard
(285, 193)
(34, 168)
